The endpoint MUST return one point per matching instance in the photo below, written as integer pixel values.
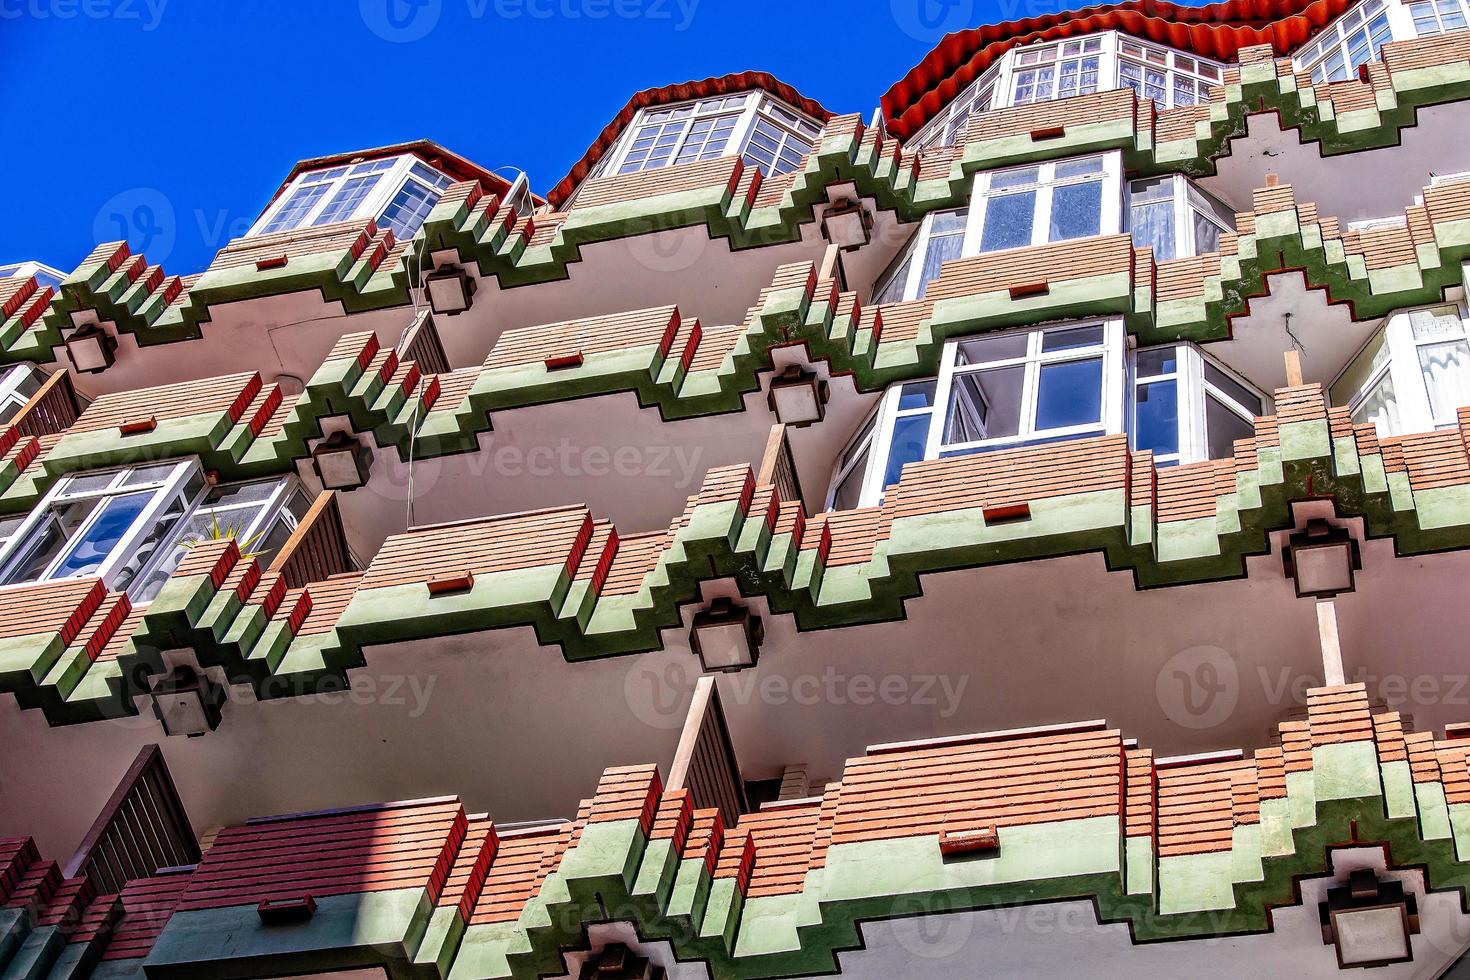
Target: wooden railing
(778, 468)
(704, 762)
(142, 828)
(52, 409)
(317, 549)
(422, 346)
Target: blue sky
(173, 120)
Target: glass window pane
(1069, 393)
(294, 211)
(941, 249)
(1008, 221)
(985, 405)
(1079, 168)
(91, 548)
(890, 290)
(1381, 407)
(916, 394)
(1076, 210)
(43, 547)
(344, 203)
(1222, 428)
(849, 491)
(1156, 418)
(1152, 226)
(1072, 338)
(1233, 389)
(910, 435)
(983, 350)
(1446, 370)
(1155, 361)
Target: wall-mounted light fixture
(186, 702)
(798, 398)
(451, 290)
(618, 962)
(342, 461)
(91, 349)
(847, 224)
(1369, 921)
(726, 637)
(1321, 559)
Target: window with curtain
(941, 237)
(1176, 218)
(1049, 202)
(1414, 376)
(1056, 71)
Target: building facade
(719, 558)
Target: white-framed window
(1176, 218)
(1045, 202)
(1354, 39)
(397, 192)
(131, 527)
(45, 275)
(940, 237)
(1042, 72)
(1169, 77)
(994, 391)
(948, 126)
(1413, 376)
(766, 132)
(1188, 407)
(1437, 16)
(17, 384)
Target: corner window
(1354, 39)
(946, 128)
(1168, 77)
(1048, 202)
(397, 192)
(994, 391)
(1176, 218)
(1056, 71)
(940, 237)
(1414, 376)
(765, 132)
(1187, 407)
(132, 527)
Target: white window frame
(168, 488)
(1055, 55)
(866, 451)
(1110, 221)
(1411, 391)
(1192, 389)
(1337, 39)
(1185, 207)
(45, 274)
(1435, 11)
(914, 253)
(981, 95)
(13, 384)
(754, 107)
(393, 173)
(1203, 75)
(1113, 379)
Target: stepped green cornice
(365, 270)
(1180, 525)
(1188, 850)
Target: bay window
(1187, 407)
(1043, 72)
(1176, 218)
(397, 192)
(765, 132)
(1168, 77)
(1413, 376)
(44, 274)
(940, 238)
(946, 128)
(1047, 202)
(993, 391)
(1354, 39)
(131, 527)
